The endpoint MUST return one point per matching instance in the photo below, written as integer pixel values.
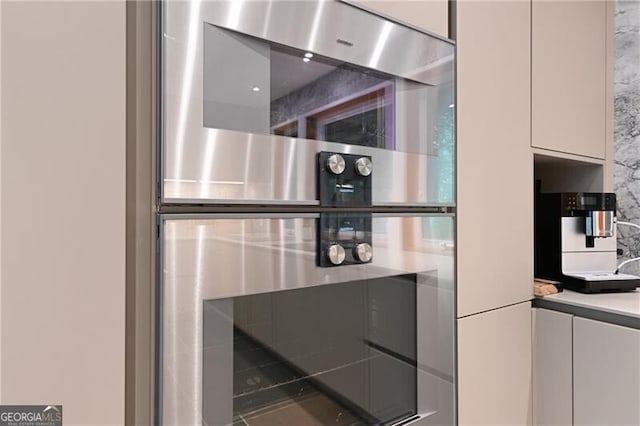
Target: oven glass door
(255, 332)
(248, 99)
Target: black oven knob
(335, 164)
(363, 252)
(336, 254)
(364, 166)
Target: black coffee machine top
(575, 241)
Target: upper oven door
(253, 90)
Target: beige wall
(62, 183)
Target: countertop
(617, 308)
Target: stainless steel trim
(216, 216)
(399, 21)
(417, 214)
(249, 171)
(204, 259)
(240, 202)
(436, 322)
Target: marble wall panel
(627, 127)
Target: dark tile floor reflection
(268, 392)
(312, 410)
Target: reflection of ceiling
(290, 73)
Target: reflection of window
(257, 86)
(358, 121)
(287, 129)
(323, 99)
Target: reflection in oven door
(319, 355)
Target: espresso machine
(575, 242)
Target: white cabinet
(552, 368)
(494, 261)
(494, 367)
(432, 15)
(569, 76)
(495, 166)
(585, 372)
(606, 365)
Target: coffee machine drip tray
(592, 282)
(602, 276)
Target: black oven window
(342, 354)
(362, 128)
(256, 86)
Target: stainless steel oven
(254, 332)
(252, 90)
(306, 217)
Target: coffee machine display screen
(588, 200)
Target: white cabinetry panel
(569, 69)
(495, 163)
(552, 368)
(494, 367)
(606, 365)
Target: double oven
(306, 217)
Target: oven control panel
(344, 239)
(344, 180)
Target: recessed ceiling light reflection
(255, 88)
(451, 106)
(306, 59)
(308, 55)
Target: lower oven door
(254, 332)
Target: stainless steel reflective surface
(201, 164)
(363, 252)
(336, 254)
(588, 262)
(276, 169)
(574, 238)
(364, 166)
(236, 130)
(212, 257)
(600, 223)
(335, 164)
(577, 257)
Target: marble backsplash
(627, 127)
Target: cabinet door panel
(569, 65)
(494, 155)
(606, 369)
(65, 210)
(552, 368)
(494, 367)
